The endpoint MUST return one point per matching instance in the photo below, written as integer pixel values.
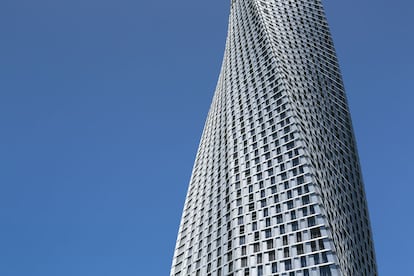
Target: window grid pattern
(276, 187)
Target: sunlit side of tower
(276, 187)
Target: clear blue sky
(102, 105)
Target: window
(288, 265)
(254, 216)
(285, 240)
(250, 188)
(274, 267)
(290, 204)
(315, 233)
(260, 270)
(256, 247)
(268, 233)
(278, 208)
(279, 219)
(295, 162)
(324, 257)
(325, 271)
(312, 209)
(316, 258)
(298, 237)
(242, 240)
(269, 244)
(303, 261)
(305, 199)
(241, 229)
(299, 249)
(321, 245)
(259, 258)
(305, 211)
(286, 252)
(313, 246)
(272, 255)
(311, 221)
(244, 262)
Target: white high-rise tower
(276, 187)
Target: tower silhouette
(276, 187)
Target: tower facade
(276, 187)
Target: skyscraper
(276, 187)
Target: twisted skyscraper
(276, 187)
